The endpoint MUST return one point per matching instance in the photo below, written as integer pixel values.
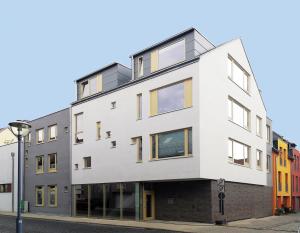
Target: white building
(8, 172)
(151, 143)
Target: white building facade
(150, 143)
(8, 173)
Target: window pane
(190, 142)
(93, 85)
(238, 114)
(230, 108)
(52, 132)
(140, 66)
(238, 153)
(153, 147)
(171, 54)
(230, 150)
(96, 200)
(84, 89)
(246, 154)
(171, 98)
(171, 144)
(81, 192)
(238, 75)
(79, 122)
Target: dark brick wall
(197, 201)
(183, 201)
(243, 201)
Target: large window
(79, 128)
(39, 195)
(238, 113)
(52, 132)
(52, 162)
(52, 196)
(170, 98)
(258, 126)
(238, 75)
(5, 188)
(39, 164)
(40, 136)
(258, 159)
(171, 144)
(171, 54)
(238, 153)
(279, 181)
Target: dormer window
(91, 86)
(84, 88)
(140, 67)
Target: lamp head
(19, 128)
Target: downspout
(13, 182)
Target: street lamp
(19, 129)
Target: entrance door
(148, 205)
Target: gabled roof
(168, 40)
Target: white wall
(119, 164)
(215, 128)
(6, 175)
(210, 124)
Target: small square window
(76, 166)
(108, 134)
(66, 129)
(87, 162)
(113, 105)
(113, 144)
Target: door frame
(145, 205)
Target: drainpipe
(13, 182)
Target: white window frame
(258, 157)
(230, 103)
(38, 136)
(245, 147)
(49, 132)
(231, 61)
(76, 128)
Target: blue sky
(46, 45)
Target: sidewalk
(155, 224)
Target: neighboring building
(269, 163)
(281, 173)
(47, 164)
(295, 177)
(7, 137)
(8, 171)
(153, 146)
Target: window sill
(52, 206)
(237, 164)
(52, 140)
(139, 161)
(98, 139)
(39, 143)
(176, 110)
(259, 169)
(39, 205)
(168, 158)
(249, 130)
(86, 168)
(52, 171)
(38, 173)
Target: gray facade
(61, 178)
(113, 76)
(195, 45)
(269, 153)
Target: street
(273, 224)
(7, 225)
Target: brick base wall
(197, 201)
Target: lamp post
(19, 129)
